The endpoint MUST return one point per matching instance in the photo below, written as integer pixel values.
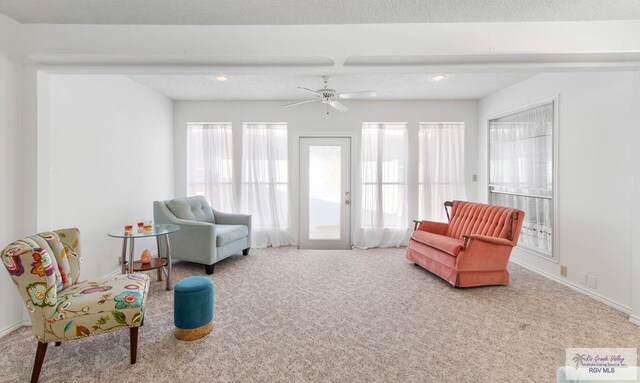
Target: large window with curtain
(210, 164)
(265, 183)
(440, 167)
(382, 209)
(521, 171)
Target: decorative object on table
(148, 226)
(162, 263)
(128, 229)
(206, 236)
(140, 226)
(193, 308)
(472, 249)
(146, 256)
(45, 269)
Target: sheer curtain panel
(381, 216)
(521, 171)
(441, 168)
(265, 183)
(210, 164)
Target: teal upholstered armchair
(206, 236)
(45, 269)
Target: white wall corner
(44, 148)
(11, 328)
(29, 165)
(635, 208)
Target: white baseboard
(114, 273)
(578, 288)
(634, 319)
(11, 328)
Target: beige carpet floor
(284, 315)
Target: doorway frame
(353, 174)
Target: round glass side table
(162, 263)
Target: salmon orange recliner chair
(473, 249)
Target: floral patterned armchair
(46, 268)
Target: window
(521, 171)
(210, 164)
(265, 182)
(440, 167)
(383, 202)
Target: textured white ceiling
(220, 12)
(463, 86)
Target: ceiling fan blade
(339, 106)
(300, 102)
(310, 90)
(366, 93)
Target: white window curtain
(441, 168)
(210, 164)
(265, 183)
(521, 171)
(381, 216)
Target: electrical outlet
(563, 270)
(583, 277)
(592, 281)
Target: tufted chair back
(468, 218)
(191, 209)
(42, 265)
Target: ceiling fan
(330, 97)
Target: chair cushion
(98, 306)
(451, 246)
(427, 255)
(192, 285)
(228, 233)
(191, 209)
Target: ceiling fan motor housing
(330, 97)
(327, 94)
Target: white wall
(595, 193)
(312, 119)
(635, 210)
(111, 156)
(11, 223)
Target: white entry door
(325, 193)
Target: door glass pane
(324, 192)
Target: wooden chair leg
(133, 332)
(37, 365)
(58, 344)
(246, 251)
(209, 269)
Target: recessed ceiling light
(222, 78)
(439, 77)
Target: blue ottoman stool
(193, 308)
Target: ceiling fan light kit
(330, 97)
